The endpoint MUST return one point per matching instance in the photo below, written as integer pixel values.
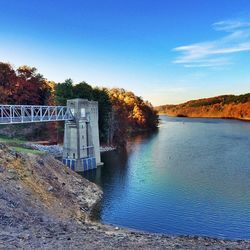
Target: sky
(166, 51)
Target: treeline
(224, 99)
(219, 100)
(120, 112)
(225, 106)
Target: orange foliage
(23, 86)
(227, 106)
(131, 113)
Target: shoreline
(208, 117)
(190, 236)
(57, 149)
(174, 241)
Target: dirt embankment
(45, 205)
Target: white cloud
(216, 53)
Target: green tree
(104, 107)
(63, 92)
(83, 90)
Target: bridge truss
(28, 113)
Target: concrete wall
(92, 113)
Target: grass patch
(27, 151)
(8, 140)
(18, 145)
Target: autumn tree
(31, 87)
(23, 86)
(7, 82)
(131, 114)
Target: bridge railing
(31, 113)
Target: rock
(12, 171)
(2, 169)
(57, 150)
(2, 146)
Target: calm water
(191, 177)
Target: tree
(83, 90)
(31, 87)
(63, 92)
(131, 114)
(105, 108)
(7, 82)
(23, 86)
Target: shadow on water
(114, 172)
(106, 176)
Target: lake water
(191, 177)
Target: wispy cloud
(230, 25)
(216, 52)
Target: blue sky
(165, 51)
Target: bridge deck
(30, 113)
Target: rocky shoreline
(57, 150)
(45, 205)
(206, 117)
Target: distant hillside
(225, 106)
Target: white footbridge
(30, 113)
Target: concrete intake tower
(81, 150)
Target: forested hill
(225, 106)
(120, 112)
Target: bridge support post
(81, 150)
